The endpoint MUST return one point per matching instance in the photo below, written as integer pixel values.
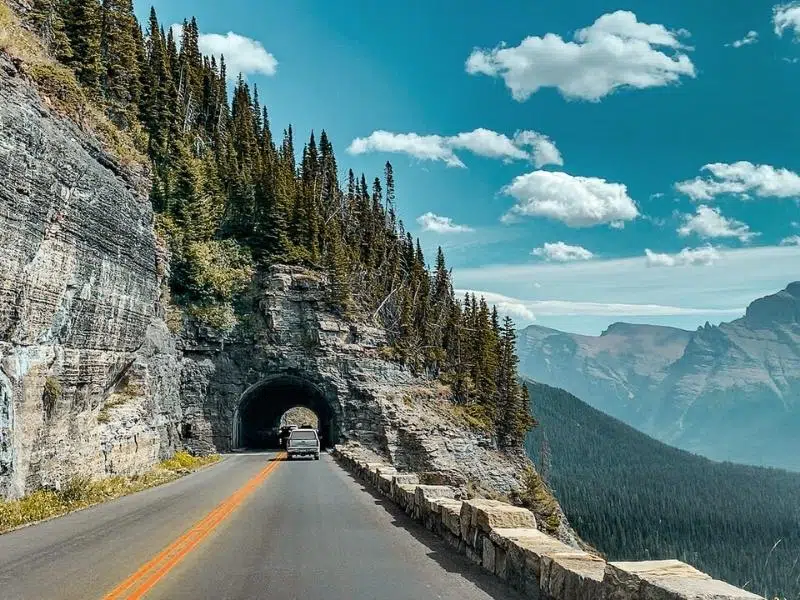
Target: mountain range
(729, 392)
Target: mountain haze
(728, 392)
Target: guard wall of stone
(504, 540)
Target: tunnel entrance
(265, 406)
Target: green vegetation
(539, 498)
(81, 492)
(637, 499)
(230, 200)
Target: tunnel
(258, 417)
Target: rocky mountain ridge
(729, 392)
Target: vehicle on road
(303, 442)
(283, 434)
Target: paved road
(308, 531)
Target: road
(277, 529)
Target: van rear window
(303, 435)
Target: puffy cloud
(242, 54)
(561, 252)
(423, 147)
(792, 240)
(490, 144)
(704, 256)
(433, 222)
(616, 51)
(751, 37)
(575, 201)
(786, 16)
(483, 142)
(543, 149)
(742, 178)
(709, 222)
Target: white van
(303, 442)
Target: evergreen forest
(231, 199)
(635, 498)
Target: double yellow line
(150, 573)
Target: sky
(610, 161)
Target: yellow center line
(151, 572)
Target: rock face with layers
(79, 304)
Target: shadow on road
(444, 555)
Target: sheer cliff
(80, 326)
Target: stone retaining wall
(505, 541)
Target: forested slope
(635, 498)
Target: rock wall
(85, 361)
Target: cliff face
(730, 392)
(79, 291)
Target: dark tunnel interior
(261, 409)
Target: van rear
(303, 442)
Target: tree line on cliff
(230, 200)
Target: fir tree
(120, 44)
(48, 21)
(83, 26)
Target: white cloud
(709, 222)
(544, 150)
(576, 201)
(561, 252)
(616, 51)
(751, 37)
(432, 222)
(483, 142)
(704, 256)
(242, 54)
(786, 16)
(792, 240)
(742, 178)
(423, 147)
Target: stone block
(576, 575)
(666, 580)
(451, 516)
(525, 549)
(490, 514)
(426, 493)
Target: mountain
(635, 498)
(728, 392)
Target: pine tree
(120, 44)
(83, 26)
(47, 19)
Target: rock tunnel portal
(257, 419)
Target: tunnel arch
(260, 408)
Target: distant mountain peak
(782, 308)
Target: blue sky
(549, 165)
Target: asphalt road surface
(248, 528)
